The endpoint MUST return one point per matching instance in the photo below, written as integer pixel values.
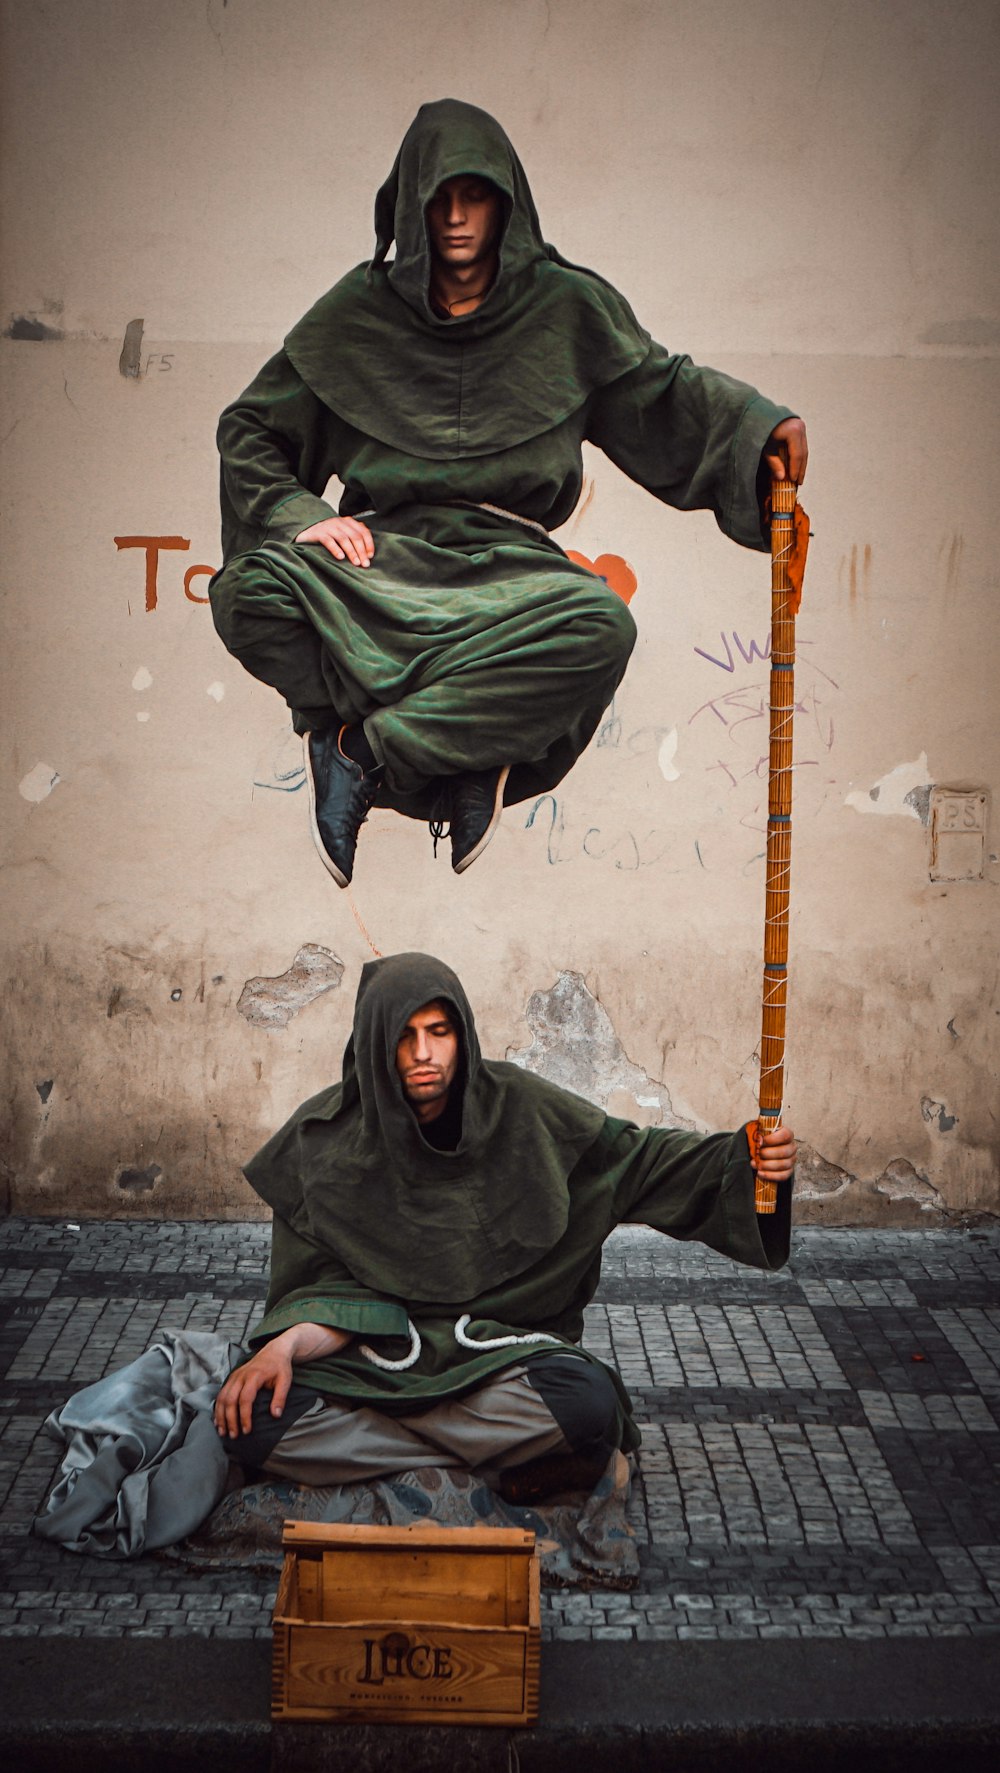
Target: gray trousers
(504, 1422)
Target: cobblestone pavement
(820, 1446)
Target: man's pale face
(427, 1059)
(463, 220)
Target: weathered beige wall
(210, 168)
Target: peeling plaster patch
(271, 1003)
(39, 782)
(216, 690)
(952, 1030)
(574, 1044)
(44, 1089)
(816, 1179)
(130, 361)
(139, 1181)
(900, 1181)
(142, 679)
(893, 793)
(920, 800)
(143, 714)
(27, 326)
(665, 757)
(932, 1110)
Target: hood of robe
(380, 355)
(352, 1171)
(445, 140)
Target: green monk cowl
(352, 1170)
(447, 1265)
(471, 640)
(377, 352)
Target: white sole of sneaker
(328, 863)
(468, 860)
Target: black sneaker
(476, 802)
(340, 797)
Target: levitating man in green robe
(437, 1233)
(439, 652)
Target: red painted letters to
(154, 546)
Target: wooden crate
(407, 1624)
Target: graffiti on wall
(153, 547)
(616, 572)
(723, 735)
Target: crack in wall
(900, 1181)
(574, 1043)
(834, 1196)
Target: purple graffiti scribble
(735, 701)
(757, 771)
(748, 653)
(738, 706)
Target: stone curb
(182, 1706)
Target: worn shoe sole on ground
(342, 879)
(477, 850)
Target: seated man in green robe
(439, 652)
(437, 1233)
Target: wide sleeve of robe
(695, 1188)
(692, 437)
(276, 444)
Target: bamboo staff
(789, 541)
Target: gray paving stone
(800, 1475)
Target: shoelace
(439, 823)
(368, 788)
(439, 829)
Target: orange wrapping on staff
(789, 541)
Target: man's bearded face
(427, 1059)
(463, 220)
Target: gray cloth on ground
(145, 1471)
(144, 1465)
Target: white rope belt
(498, 511)
(379, 1360)
(477, 505)
(465, 1341)
(461, 1337)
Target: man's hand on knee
(270, 1369)
(344, 537)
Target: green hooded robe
(470, 640)
(448, 1265)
